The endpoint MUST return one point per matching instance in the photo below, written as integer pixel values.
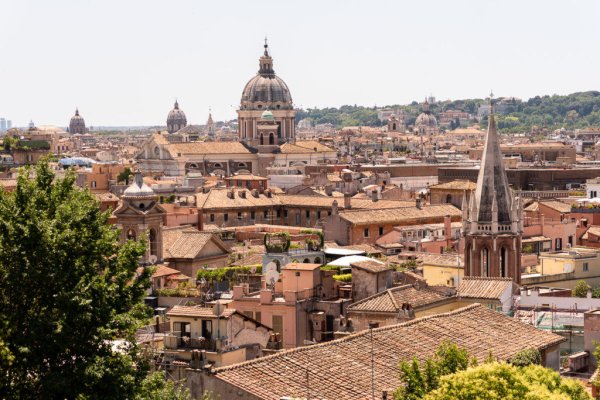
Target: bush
(346, 278)
(526, 357)
(581, 289)
(336, 268)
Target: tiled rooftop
(197, 311)
(373, 266)
(341, 369)
(399, 215)
(391, 300)
(478, 287)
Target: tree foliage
(124, 176)
(505, 381)
(156, 387)
(418, 381)
(526, 357)
(67, 290)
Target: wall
(531, 298)
(439, 276)
(199, 382)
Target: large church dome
(266, 90)
(176, 119)
(77, 124)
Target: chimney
(448, 228)
(334, 207)
(374, 195)
(231, 194)
(328, 190)
(419, 203)
(347, 201)
(268, 193)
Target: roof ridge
(487, 278)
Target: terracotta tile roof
(246, 177)
(401, 215)
(392, 299)
(163, 270)
(479, 287)
(251, 259)
(341, 369)
(191, 148)
(557, 205)
(373, 266)
(197, 311)
(305, 146)
(218, 199)
(187, 242)
(301, 266)
(456, 185)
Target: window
(278, 213)
(485, 264)
(380, 230)
(206, 328)
(265, 214)
(239, 215)
(253, 215)
(328, 212)
(503, 262)
(257, 316)
(284, 213)
(307, 214)
(184, 328)
(585, 267)
(366, 232)
(558, 244)
(318, 214)
(93, 184)
(225, 217)
(249, 314)
(278, 325)
(212, 217)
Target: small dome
(176, 119)
(77, 124)
(138, 188)
(267, 115)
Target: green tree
(580, 289)
(67, 290)
(156, 387)
(504, 381)
(526, 357)
(124, 176)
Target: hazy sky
(123, 62)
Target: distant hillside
(576, 110)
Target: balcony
(174, 341)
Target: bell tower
(492, 222)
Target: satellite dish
(152, 259)
(270, 267)
(272, 277)
(218, 309)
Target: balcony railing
(174, 340)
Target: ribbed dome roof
(138, 188)
(266, 87)
(176, 116)
(77, 123)
(426, 119)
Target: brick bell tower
(492, 222)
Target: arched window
(218, 165)
(242, 165)
(153, 244)
(262, 140)
(485, 262)
(156, 151)
(271, 138)
(317, 260)
(503, 262)
(131, 235)
(394, 127)
(306, 261)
